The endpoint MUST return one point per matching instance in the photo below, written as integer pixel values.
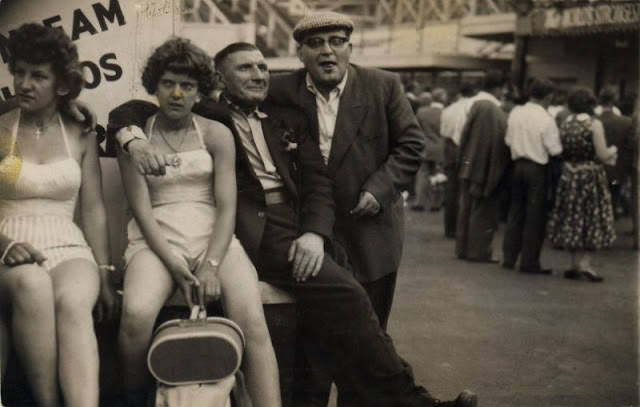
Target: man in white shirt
(532, 136)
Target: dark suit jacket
(483, 157)
(377, 146)
(429, 119)
(618, 131)
(302, 170)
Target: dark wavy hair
(581, 100)
(38, 44)
(180, 56)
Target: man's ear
(299, 52)
(219, 79)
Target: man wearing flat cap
(370, 141)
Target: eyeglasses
(334, 42)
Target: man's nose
(326, 48)
(177, 92)
(257, 73)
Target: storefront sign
(583, 19)
(114, 39)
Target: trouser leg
(483, 223)
(535, 216)
(512, 243)
(337, 311)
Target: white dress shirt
(453, 119)
(532, 133)
(327, 113)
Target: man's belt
(275, 196)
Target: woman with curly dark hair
(582, 215)
(52, 272)
(182, 232)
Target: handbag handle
(198, 313)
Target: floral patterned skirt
(582, 216)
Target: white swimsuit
(38, 201)
(183, 204)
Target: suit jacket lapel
(272, 134)
(350, 114)
(307, 102)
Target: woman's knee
(29, 283)
(137, 315)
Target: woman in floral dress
(582, 217)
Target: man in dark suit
(618, 131)
(371, 143)
(433, 156)
(285, 216)
(370, 140)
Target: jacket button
(261, 214)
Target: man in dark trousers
(532, 136)
(285, 216)
(483, 159)
(618, 131)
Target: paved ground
(516, 339)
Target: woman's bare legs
(243, 304)
(28, 291)
(147, 286)
(76, 284)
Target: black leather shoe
(572, 274)
(591, 276)
(465, 399)
(535, 270)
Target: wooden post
(519, 63)
(635, 176)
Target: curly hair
(38, 44)
(179, 56)
(581, 100)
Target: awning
(566, 18)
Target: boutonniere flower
(290, 141)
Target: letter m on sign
(102, 14)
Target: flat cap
(319, 21)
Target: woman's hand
(23, 253)
(209, 289)
(183, 277)
(108, 307)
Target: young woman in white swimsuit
(182, 232)
(52, 271)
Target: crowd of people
(555, 163)
(297, 183)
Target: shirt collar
(437, 105)
(257, 112)
(339, 88)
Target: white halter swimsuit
(183, 204)
(37, 201)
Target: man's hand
(23, 253)
(368, 205)
(147, 159)
(108, 305)
(307, 254)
